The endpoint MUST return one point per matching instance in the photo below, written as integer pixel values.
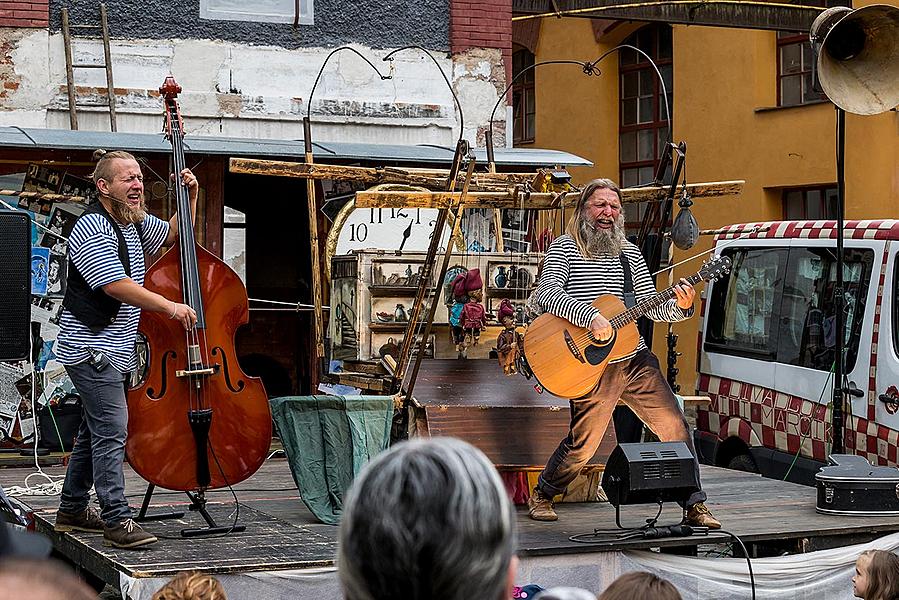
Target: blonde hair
(883, 575)
(640, 585)
(103, 169)
(573, 228)
(191, 585)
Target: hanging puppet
(472, 318)
(509, 342)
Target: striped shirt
(93, 248)
(569, 283)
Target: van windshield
(777, 304)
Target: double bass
(196, 421)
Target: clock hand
(406, 234)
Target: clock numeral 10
(395, 213)
(358, 232)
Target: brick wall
(482, 24)
(24, 13)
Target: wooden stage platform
(770, 516)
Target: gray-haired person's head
(590, 241)
(427, 519)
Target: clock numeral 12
(394, 213)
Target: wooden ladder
(70, 66)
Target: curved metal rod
(588, 68)
(320, 71)
(445, 78)
(658, 74)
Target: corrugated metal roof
(64, 139)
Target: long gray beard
(600, 242)
(125, 214)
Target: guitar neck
(644, 306)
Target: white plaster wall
(257, 91)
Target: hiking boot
(540, 507)
(699, 515)
(87, 520)
(127, 534)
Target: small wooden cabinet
(373, 291)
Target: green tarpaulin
(327, 440)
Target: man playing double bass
(96, 342)
(591, 259)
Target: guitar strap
(630, 299)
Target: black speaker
(15, 285)
(649, 472)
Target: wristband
(174, 310)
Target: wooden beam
(429, 178)
(538, 201)
(743, 14)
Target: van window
(777, 304)
(742, 308)
(807, 337)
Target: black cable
(746, 554)
(320, 71)
(449, 85)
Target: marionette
(460, 297)
(509, 342)
(474, 317)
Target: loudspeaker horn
(858, 57)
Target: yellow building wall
(725, 108)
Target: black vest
(95, 308)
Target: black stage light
(648, 473)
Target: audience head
(427, 519)
(640, 585)
(191, 585)
(41, 579)
(876, 576)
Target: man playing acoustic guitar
(594, 258)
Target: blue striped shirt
(569, 283)
(93, 248)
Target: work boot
(540, 507)
(699, 515)
(127, 534)
(87, 520)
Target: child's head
(191, 585)
(876, 576)
(640, 585)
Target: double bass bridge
(197, 368)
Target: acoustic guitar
(568, 361)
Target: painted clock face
(406, 229)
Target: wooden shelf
(398, 291)
(393, 327)
(508, 292)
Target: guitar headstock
(715, 268)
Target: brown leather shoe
(699, 515)
(127, 534)
(540, 508)
(87, 520)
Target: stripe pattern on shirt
(569, 283)
(93, 248)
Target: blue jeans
(99, 451)
(638, 383)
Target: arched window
(523, 98)
(642, 126)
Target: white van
(767, 347)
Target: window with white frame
(264, 11)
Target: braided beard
(602, 242)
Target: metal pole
(839, 298)
(70, 75)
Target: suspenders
(630, 299)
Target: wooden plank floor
(282, 534)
